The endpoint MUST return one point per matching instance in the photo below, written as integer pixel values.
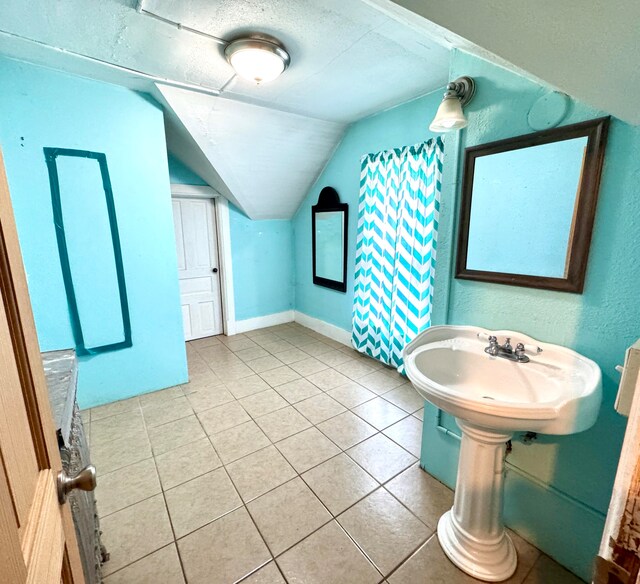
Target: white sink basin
(557, 391)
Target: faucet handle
(494, 347)
(520, 353)
(534, 349)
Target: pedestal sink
(557, 391)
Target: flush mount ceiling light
(450, 116)
(257, 59)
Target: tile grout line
(332, 516)
(332, 519)
(360, 548)
(298, 474)
(208, 437)
(162, 492)
(166, 506)
(533, 565)
(273, 558)
(380, 485)
(256, 418)
(141, 558)
(413, 553)
(300, 375)
(324, 392)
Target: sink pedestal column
(472, 532)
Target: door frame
(223, 229)
(616, 558)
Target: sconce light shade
(257, 59)
(450, 116)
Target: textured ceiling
(348, 58)
(267, 159)
(260, 146)
(112, 31)
(586, 48)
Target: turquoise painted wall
(180, 174)
(560, 485)
(400, 126)
(261, 251)
(41, 108)
(262, 256)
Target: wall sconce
(450, 116)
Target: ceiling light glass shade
(257, 60)
(449, 116)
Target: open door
(37, 537)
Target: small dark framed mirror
(528, 207)
(329, 220)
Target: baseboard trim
(315, 324)
(324, 328)
(251, 324)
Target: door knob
(85, 480)
(215, 270)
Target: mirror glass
(329, 240)
(528, 206)
(524, 201)
(329, 235)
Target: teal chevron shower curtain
(396, 248)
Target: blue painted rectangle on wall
(91, 259)
(128, 128)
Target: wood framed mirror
(528, 207)
(329, 221)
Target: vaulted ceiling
(350, 58)
(260, 146)
(586, 48)
(264, 158)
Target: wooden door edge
(13, 283)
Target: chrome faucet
(506, 351)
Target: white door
(197, 245)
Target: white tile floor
(287, 458)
